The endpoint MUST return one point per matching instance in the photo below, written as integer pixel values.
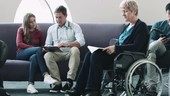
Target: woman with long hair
(29, 41)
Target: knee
(75, 51)
(157, 42)
(48, 56)
(88, 54)
(39, 49)
(95, 55)
(33, 58)
(154, 45)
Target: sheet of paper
(93, 48)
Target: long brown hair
(26, 26)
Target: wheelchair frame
(137, 60)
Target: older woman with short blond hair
(134, 37)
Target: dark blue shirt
(161, 27)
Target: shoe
(56, 88)
(73, 92)
(31, 89)
(4, 93)
(151, 91)
(49, 80)
(67, 86)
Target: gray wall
(96, 11)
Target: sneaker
(56, 88)
(49, 80)
(31, 89)
(73, 92)
(67, 86)
(4, 93)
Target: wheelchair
(129, 76)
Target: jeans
(91, 72)
(156, 49)
(35, 56)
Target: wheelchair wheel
(138, 81)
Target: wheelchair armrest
(125, 59)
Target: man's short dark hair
(167, 7)
(61, 9)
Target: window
(42, 9)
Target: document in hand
(93, 48)
(51, 48)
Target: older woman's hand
(110, 49)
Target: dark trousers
(35, 56)
(90, 75)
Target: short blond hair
(130, 5)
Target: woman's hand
(110, 49)
(44, 50)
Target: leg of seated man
(74, 60)
(156, 49)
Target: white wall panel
(96, 11)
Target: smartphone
(163, 35)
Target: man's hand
(65, 44)
(164, 40)
(110, 49)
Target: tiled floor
(19, 88)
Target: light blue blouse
(127, 32)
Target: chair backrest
(3, 52)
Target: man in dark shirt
(159, 44)
(160, 35)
